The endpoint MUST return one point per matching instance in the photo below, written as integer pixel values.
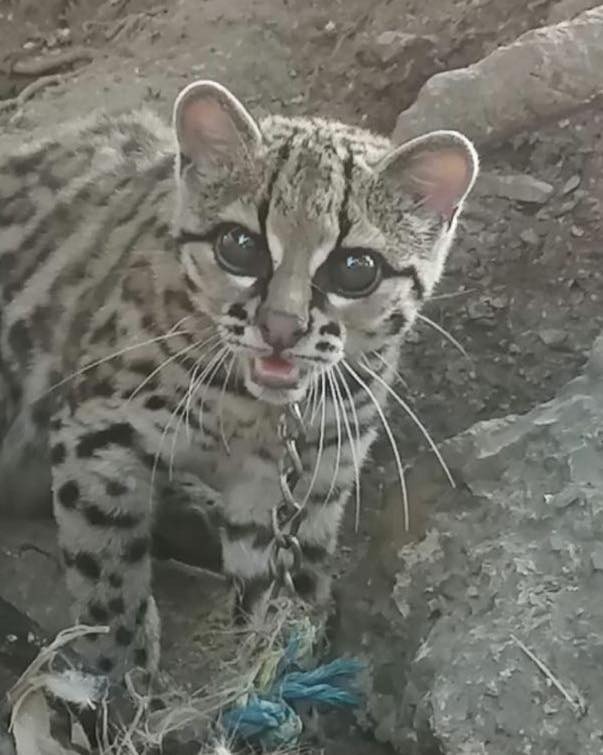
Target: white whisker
(353, 446)
(161, 442)
(310, 395)
(186, 399)
(391, 439)
(443, 332)
(108, 358)
(321, 439)
(415, 419)
(319, 401)
(208, 377)
(338, 424)
(220, 405)
(193, 381)
(168, 360)
(391, 367)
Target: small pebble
(530, 237)
(571, 184)
(552, 337)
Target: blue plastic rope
(270, 719)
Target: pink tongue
(276, 365)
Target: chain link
(288, 513)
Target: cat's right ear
(212, 127)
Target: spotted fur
(125, 349)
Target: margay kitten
(152, 328)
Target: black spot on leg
(116, 580)
(68, 558)
(68, 494)
(58, 454)
(103, 388)
(106, 332)
(40, 413)
(116, 605)
(87, 565)
(136, 550)
(105, 664)
(98, 612)
(141, 611)
(19, 339)
(305, 584)
(142, 367)
(141, 657)
(123, 636)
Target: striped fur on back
(165, 292)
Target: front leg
(247, 538)
(103, 506)
(317, 536)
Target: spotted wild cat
(166, 291)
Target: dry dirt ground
(523, 288)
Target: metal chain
(288, 513)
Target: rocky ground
(522, 294)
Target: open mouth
(275, 372)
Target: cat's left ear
(213, 127)
(437, 170)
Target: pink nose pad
(280, 329)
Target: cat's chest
(233, 449)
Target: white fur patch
(274, 246)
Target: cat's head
(306, 241)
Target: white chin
(278, 396)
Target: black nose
(280, 329)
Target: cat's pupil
(354, 273)
(241, 252)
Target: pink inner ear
(441, 177)
(206, 125)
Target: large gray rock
(541, 75)
(508, 576)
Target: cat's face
(308, 242)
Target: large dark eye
(241, 252)
(353, 273)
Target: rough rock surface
(513, 557)
(541, 75)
